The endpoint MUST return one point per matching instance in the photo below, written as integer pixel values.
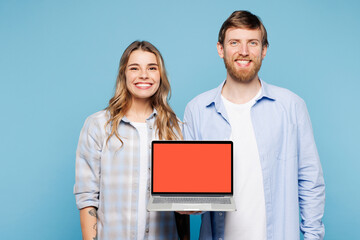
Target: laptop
(192, 176)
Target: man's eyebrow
(239, 40)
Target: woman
(113, 155)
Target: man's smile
(243, 62)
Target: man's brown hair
(245, 20)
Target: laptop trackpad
(191, 207)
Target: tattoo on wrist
(95, 228)
(93, 213)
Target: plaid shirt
(107, 177)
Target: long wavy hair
(167, 124)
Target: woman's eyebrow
(133, 64)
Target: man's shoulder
(281, 94)
(203, 99)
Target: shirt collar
(152, 115)
(265, 93)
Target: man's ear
(220, 49)
(263, 54)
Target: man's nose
(243, 49)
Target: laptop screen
(192, 167)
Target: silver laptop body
(192, 176)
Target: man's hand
(190, 212)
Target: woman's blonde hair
(167, 124)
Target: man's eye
(233, 43)
(253, 43)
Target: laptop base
(191, 206)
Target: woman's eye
(133, 68)
(153, 68)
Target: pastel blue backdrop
(58, 64)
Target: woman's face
(142, 75)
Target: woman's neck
(139, 111)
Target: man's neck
(240, 92)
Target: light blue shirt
(292, 173)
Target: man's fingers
(189, 212)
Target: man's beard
(243, 76)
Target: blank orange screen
(188, 167)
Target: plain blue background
(58, 64)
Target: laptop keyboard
(192, 200)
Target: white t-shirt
(249, 221)
(144, 151)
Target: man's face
(242, 53)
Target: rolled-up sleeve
(87, 169)
(310, 177)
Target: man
(276, 165)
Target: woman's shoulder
(97, 120)
(99, 116)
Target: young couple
(276, 166)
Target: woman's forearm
(88, 221)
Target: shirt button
(147, 230)
(220, 214)
(150, 127)
(220, 238)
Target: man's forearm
(88, 221)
